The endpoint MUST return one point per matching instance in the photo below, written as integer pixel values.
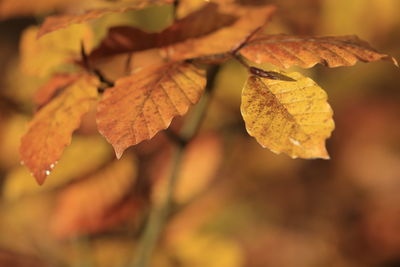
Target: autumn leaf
(191, 36)
(51, 128)
(287, 50)
(53, 23)
(11, 8)
(141, 105)
(54, 52)
(200, 163)
(124, 39)
(76, 212)
(289, 117)
(54, 86)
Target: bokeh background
(237, 203)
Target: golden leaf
(141, 105)
(82, 206)
(287, 50)
(53, 23)
(44, 56)
(51, 129)
(289, 117)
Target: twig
(159, 215)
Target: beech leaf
(123, 39)
(51, 129)
(53, 23)
(288, 50)
(53, 87)
(289, 117)
(77, 213)
(141, 105)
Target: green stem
(159, 215)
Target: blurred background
(237, 203)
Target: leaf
(141, 105)
(54, 86)
(227, 38)
(199, 166)
(124, 39)
(52, 52)
(92, 151)
(287, 50)
(11, 8)
(289, 117)
(86, 205)
(53, 23)
(51, 129)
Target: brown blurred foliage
(238, 204)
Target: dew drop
(52, 166)
(295, 142)
(47, 172)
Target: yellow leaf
(51, 128)
(54, 51)
(287, 50)
(53, 23)
(141, 105)
(289, 117)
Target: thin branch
(159, 215)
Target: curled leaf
(124, 39)
(51, 129)
(288, 50)
(289, 117)
(141, 105)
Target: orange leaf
(191, 36)
(141, 105)
(76, 211)
(53, 23)
(53, 87)
(227, 38)
(129, 39)
(288, 50)
(51, 129)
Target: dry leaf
(129, 39)
(53, 23)
(51, 129)
(53, 87)
(86, 206)
(46, 55)
(199, 165)
(227, 38)
(141, 105)
(287, 50)
(289, 117)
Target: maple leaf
(76, 213)
(287, 50)
(51, 129)
(53, 23)
(289, 117)
(141, 105)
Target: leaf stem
(159, 215)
